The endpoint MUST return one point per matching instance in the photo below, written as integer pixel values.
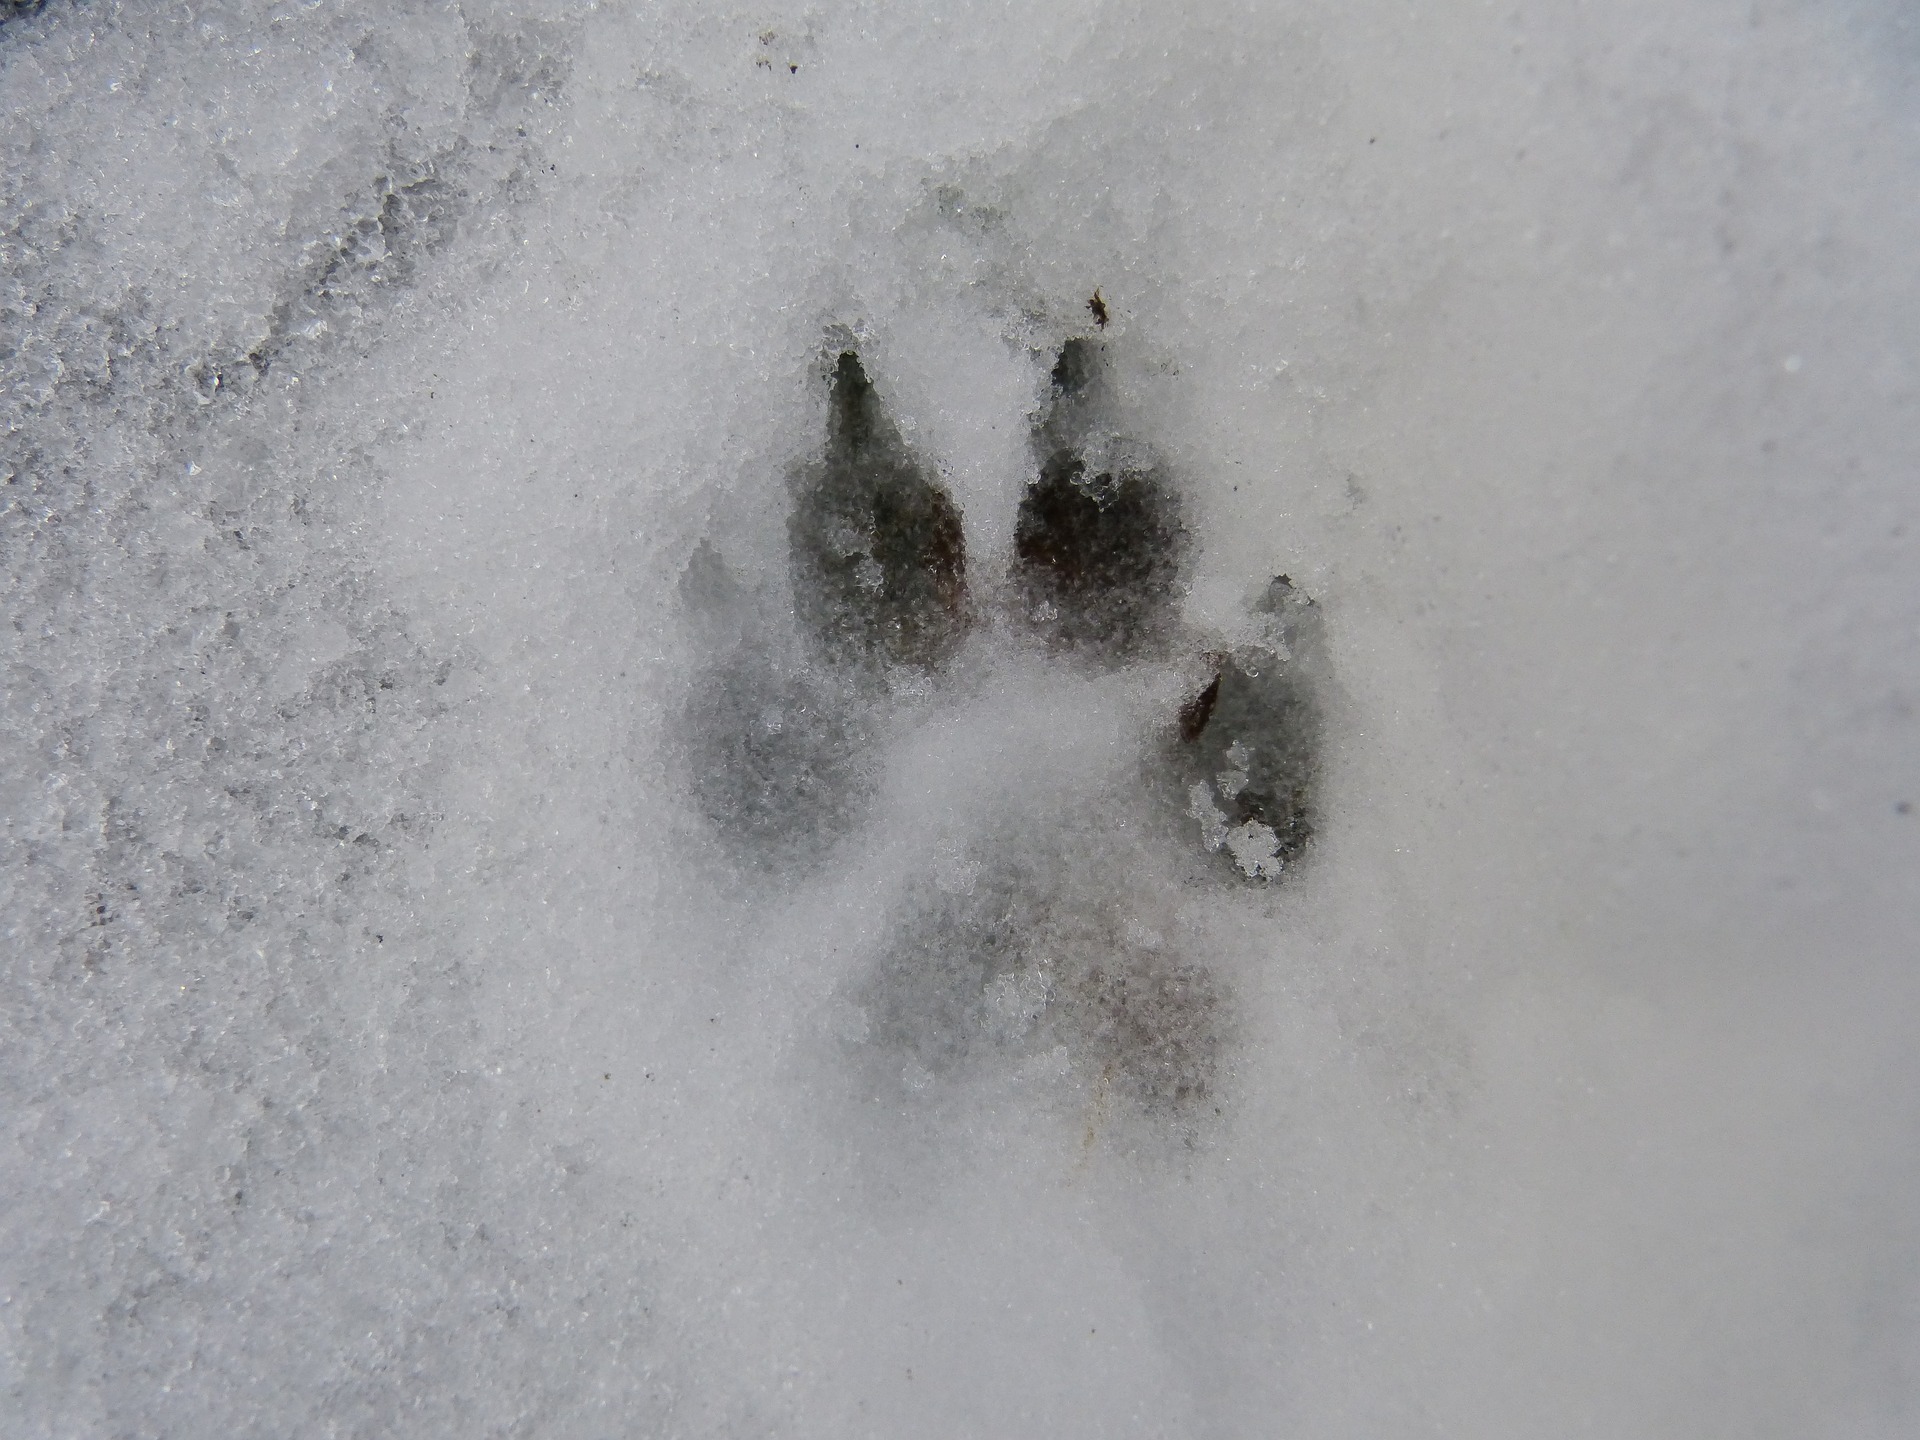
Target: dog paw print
(1045, 934)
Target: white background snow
(386, 1051)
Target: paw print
(1060, 766)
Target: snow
(411, 1024)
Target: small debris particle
(1197, 711)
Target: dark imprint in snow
(878, 557)
(1035, 958)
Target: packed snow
(959, 720)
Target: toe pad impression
(1098, 542)
(1248, 744)
(877, 552)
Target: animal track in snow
(1092, 762)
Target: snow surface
(394, 1044)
